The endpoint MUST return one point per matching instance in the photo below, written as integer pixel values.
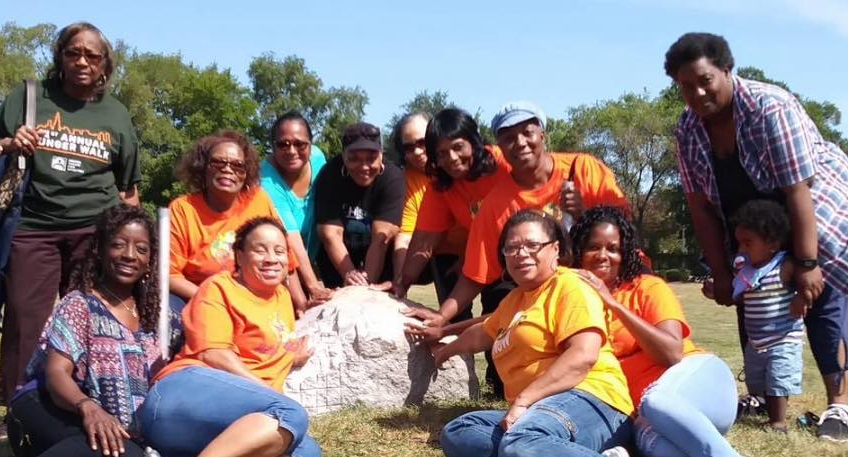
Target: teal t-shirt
(297, 213)
(88, 154)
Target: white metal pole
(164, 327)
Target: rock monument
(362, 355)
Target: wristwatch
(807, 263)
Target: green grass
(414, 431)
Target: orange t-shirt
(417, 184)
(457, 206)
(592, 178)
(650, 298)
(202, 239)
(529, 329)
(224, 314)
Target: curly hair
(631, 265)
(192, 167)
(248, 227)
(65, 36)
(396, 140)
(692, 46)
(450, 124)
(766, 218)
(89, 274)
(550, 226)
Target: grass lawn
(414, 431)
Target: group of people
(591, 351)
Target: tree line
(173, 102)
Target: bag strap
(29, 116)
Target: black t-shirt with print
(88, 154)
(340, 201)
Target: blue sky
(557, 53)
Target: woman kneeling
(222, 394)
(548, 337)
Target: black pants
(490, 298)
(37, 427)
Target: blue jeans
(572, 423)
(688, 409)
(186, 410)
(775, 371)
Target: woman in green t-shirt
(82, 156)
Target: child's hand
(799, 306)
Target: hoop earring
(505, 276)
(344, 171)
(101, 81)
(61, 75)
(382, 169)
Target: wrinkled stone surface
(362, 355)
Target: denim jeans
(186, 410)
(688, 409)
(572, 423)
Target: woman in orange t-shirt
(222, 170)
(686, 397)
(222, 394)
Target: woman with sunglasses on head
(288, 175)
(98, 352)
(548, 337)
(222, 170)
(83, 158)
(686, 397)
(358, 208)
(408, 140)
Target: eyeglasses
(285, 145)
(237, 166)
(91, 57)
(532, 248)
(409, 148)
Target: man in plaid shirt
(740, 140)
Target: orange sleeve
(206, 319)
(597, 183)
(658, 303)
(578, 308)
(435, 214)
(415, 190)
(481, 253)
(179, 237)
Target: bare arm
(710, 234)
(472, 340)
(182, 287)
(461, 296)
(229, 361)
(570, 368)
(420, 250)
(304, 268)
(332, 236)
(130, 197)
(382, 233)
(298, 297)
(805, 239)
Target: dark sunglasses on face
(286, 144)
(91, 57)
(237, 166)
(409, 148)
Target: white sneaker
(617, 451)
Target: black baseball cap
(361, 135)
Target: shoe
(750, 406)
(833, 424)
(617, 451)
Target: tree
(24, 53)
(422, 102)
(279, 86)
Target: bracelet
(78, 404)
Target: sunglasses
(74, 55)
(286, 145)
(409, 148)
(238, 166)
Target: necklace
(133, 310)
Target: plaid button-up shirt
(778, 146)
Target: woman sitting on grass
(98, 351)
(687, 396)
(222, 394)
(549, 342)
